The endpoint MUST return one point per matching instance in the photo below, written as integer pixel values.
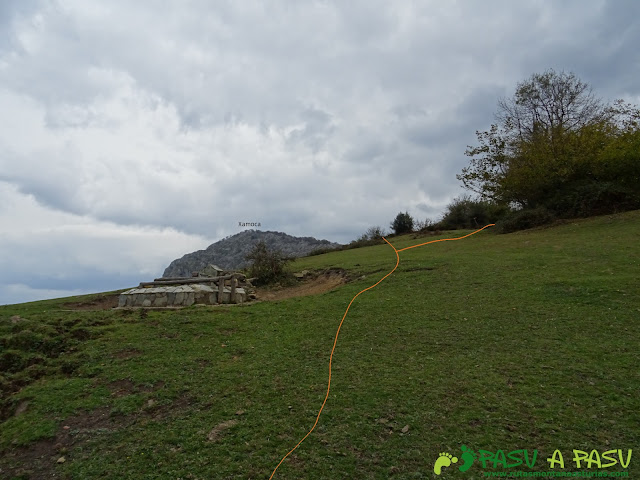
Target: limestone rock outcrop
(229, 253)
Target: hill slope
(230, 252)
(523, 341)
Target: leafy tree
(403, 223)
(554, 135)
(550, 104)
(524, 155)
(619, 160)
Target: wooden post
(220, 289)
(232, 299)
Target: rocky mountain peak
(230, 252)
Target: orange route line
(446, 239)
(335, 341)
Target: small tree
(425, 225)
(372, 236)
(374, 233)
(403, 223)
(267, 266)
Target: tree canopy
(556, 145)
(403, 223)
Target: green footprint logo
(444, 460)
(468, 457)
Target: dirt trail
(314, 285)
(103, 302)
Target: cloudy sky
(134, 132)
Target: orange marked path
(444, 239)
(335, 341)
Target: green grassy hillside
(497, 342)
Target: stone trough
(183, 292)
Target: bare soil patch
(101, 302)
(315, 284)
(218, 430)
(123, 387)
(419, 269)
(127, 353)
(41, 460)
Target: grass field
(497, 342)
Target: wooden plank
(168, 279)
(183, 281)
(240, 276)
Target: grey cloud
(10, 11)
(319, 118)
(316, 131)
(93, 280)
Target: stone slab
(178, 295)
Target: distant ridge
(230, 252)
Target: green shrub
(374, 233)
(373, 236)
(464, 212)
(426, 225)
(267, 266)
(587, 198)
(523, 219)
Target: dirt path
(102, 302)
(315, 284)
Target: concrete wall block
(182, 295)
(160, 300)
(189, 298)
